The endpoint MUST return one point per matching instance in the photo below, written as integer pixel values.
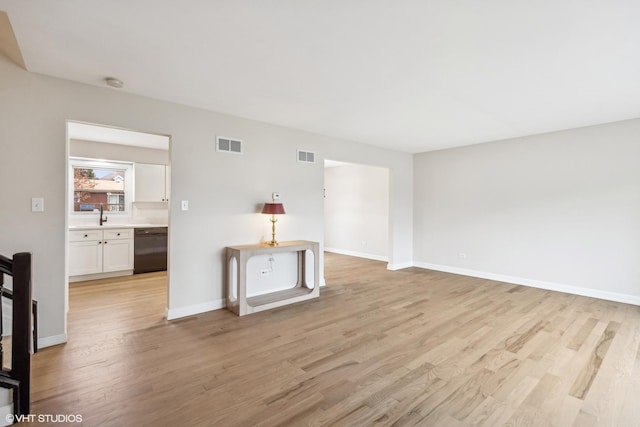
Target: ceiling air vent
(229, 145)
(306, 156)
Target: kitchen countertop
(111, 226)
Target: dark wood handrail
(6, 266)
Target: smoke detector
(113, 82)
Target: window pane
(93, 187)
(116, 202)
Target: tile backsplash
(142, 213)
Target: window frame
(89, 163)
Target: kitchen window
(97, 183)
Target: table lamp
(273, 209)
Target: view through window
(99, 186)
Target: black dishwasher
(150, 249)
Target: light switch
(37, 204)
(185, 205)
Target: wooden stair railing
(18, 378)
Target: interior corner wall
(225, 191)
(356, 211)
(558, 210)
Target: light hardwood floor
(411, 347)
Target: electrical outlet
(275, 196)
(462, 255)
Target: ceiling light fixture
(113, 82)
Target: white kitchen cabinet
(117, 250)
(85, 258)
(151, 182)
(100, 251)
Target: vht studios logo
(44, 418)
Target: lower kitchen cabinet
(85, 258)
(100, 251)
(117, 255)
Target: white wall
(558, 210)
(356, 210)
(224, 191)
(125, 153)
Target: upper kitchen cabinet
(151, 182)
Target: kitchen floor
(94, 304)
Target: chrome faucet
(102, 220)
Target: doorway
(118, 183)
(356, 210)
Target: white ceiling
(410, 75)
(88, 132)
(334, 163)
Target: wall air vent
(228, 145)
(306, 156)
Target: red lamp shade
(273, 209)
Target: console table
(236, 277)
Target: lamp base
(271, 243)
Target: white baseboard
(45, 342)
(97, 276)
(559, 287)
(399, 266)
(176, 313)
(357, 254)
(6, 410)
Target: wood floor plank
(587, 375)
(500, 411)
(614, 376)
(629, 408)
(582, 334)
(379, 347)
